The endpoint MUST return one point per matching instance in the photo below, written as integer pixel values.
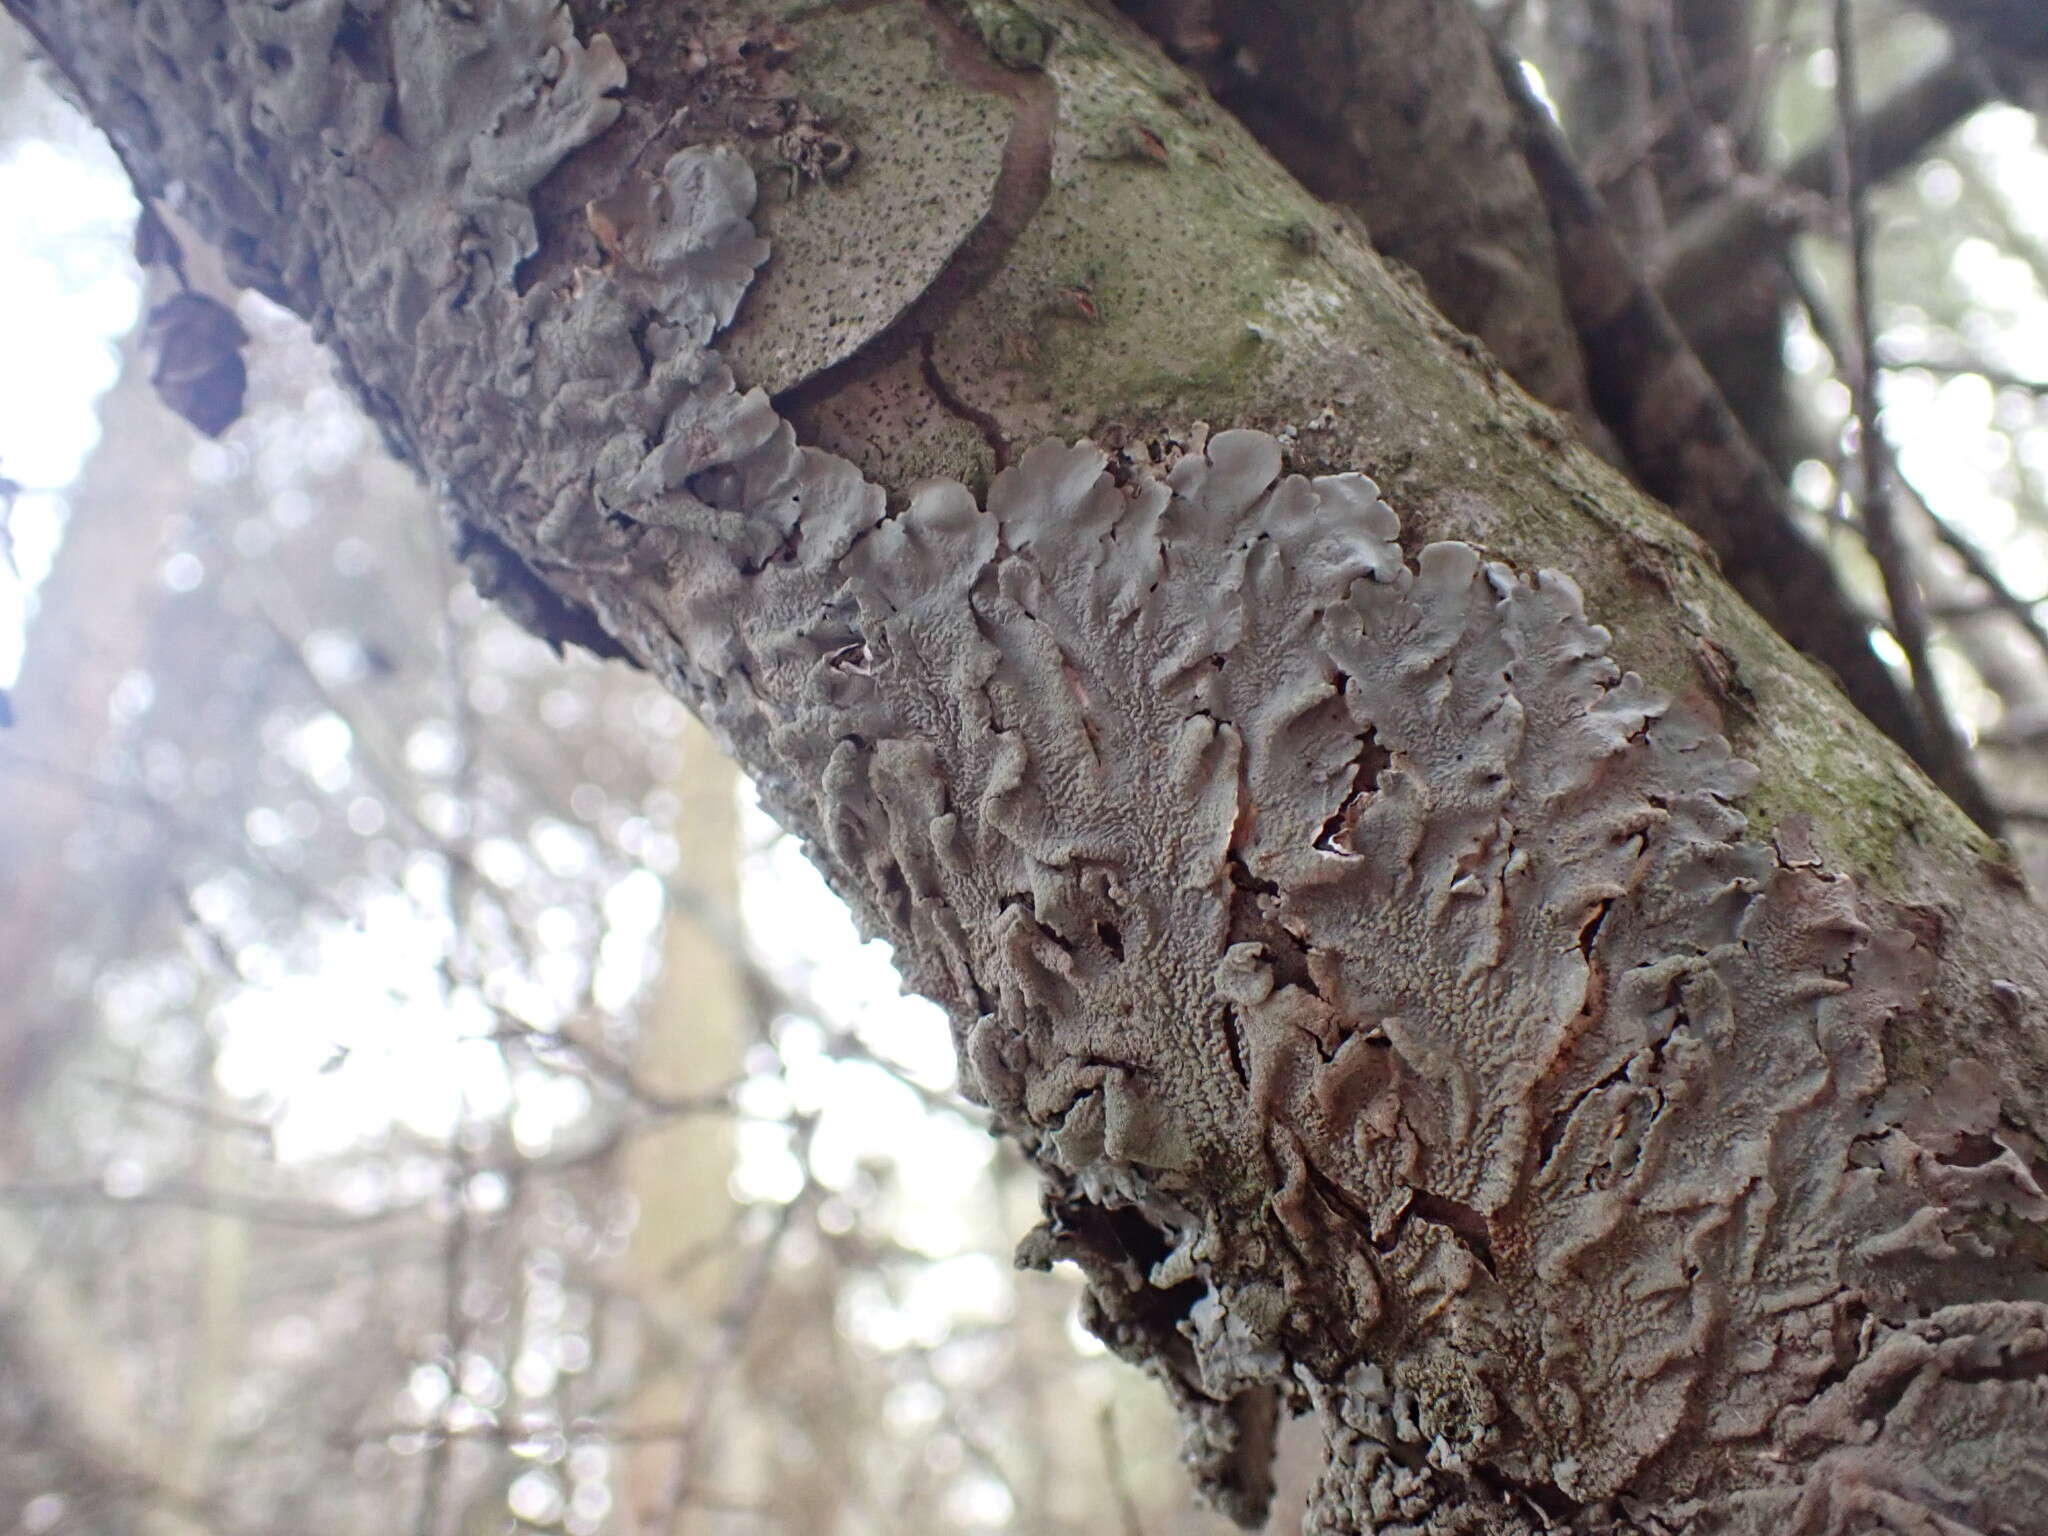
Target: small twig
(454, 1263)
(1950, 765)
(191, 1197)
(1712, 248)
(2002, 597)
(742, 1307)
(599, 1065)
(1991, 373)
(198, 1113)
(96, 790)
(1119, 1474)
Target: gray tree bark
(1610, 1100)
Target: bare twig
(1948, 758)
(1978, 564)
(2001, 598)
(1991, 373)
(190, 1109)
(1710, 250)
(742, 1307)
(1119, 1474)
(1686, 444)
(193, 1197)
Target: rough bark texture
(1407, 1022)
(1391, 110)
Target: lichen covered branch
(1406, 1022)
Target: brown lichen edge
(1383, 979)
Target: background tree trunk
(1406, 1023)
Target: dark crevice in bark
(1372, 760)
(1233, 1043)
(363, 45)
(1850, 1321)
(1120, 1238)
(990, 429)
(1558, 1508)
(1554, 1128)
(1290, 960)
(2028, 1364)
(1465, 1223)
(1336, 1198)
(502, 576)
(1244, 880)
(1589, 933)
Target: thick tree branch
(1405, 1022)
(2010, 40)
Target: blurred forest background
(433, 1099)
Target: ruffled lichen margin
(1408, 1026)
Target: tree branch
(1405, 1021)
(1680, 435)
(1330, 88)
(1950, 764)
(1707, 254)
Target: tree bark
(1341, 94)
(1408, 1025)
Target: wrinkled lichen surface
(1409, 1026)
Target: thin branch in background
(190, 1197)
(749, 1291)
(1119, 1474)
(1950, 763)
(264, 1134)
(1991, 373)
(1711, 249)
(454, 1257)
(1685, 443)
(1978, 564)
(1611, 163)
(457, 970)
(1760, 85)
(233, 848)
